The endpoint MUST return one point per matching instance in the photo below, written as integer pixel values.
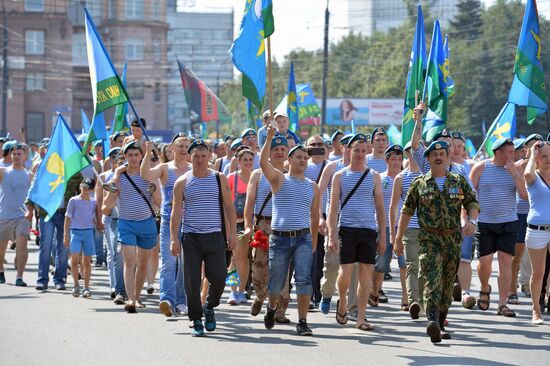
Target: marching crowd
(266, 213)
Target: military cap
(377, 130)
(178, 135)
(327, 142)
(458, 136)
(500, 143)
(229, 137)
(197, 143)
(120, 133)
(436, 145)
(357, 137)
(335, 135)
(248, 132)
(443, 133)
(297, 147)
(132, 145)
(236, 143)
(8, 145)
(344, 141)
(278, 141)
(88, 183)
(114, 151)
(98, 143)
(394, 148)
(266, 114)
(533, 137)
(519, 143)
(135, 123)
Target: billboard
(375, 112)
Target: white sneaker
(181, 309)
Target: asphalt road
(53, 328)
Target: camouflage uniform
(439, 237)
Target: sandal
(404, 307)
(512, 299)
(139, 304)
(506, 311)
(341, 319)
(486, 302)
(365, 327)
(130, 308)
(373, 300)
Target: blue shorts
(467, 249)
(141, 233)
(522, 228)
(82, 240)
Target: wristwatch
(473, 221)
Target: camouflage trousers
(260, 274)
(439, 256)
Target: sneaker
(414, 310)
(512, 299)
(434, 332)
(269, 318)
(181, 309)
(256, 307)
(86, 293)
(119, 299)
(232, 299)
(382, 296)
(209, 319)
(388, 276)
(311, 306)
(198, 329)
(325, 305)
(526, 290)
(457, 292)
(468, 301)
(150, 289)
(60, 287)
(113, 295)
(41, 287)
(165, 308)
(19, 282)
(76, 291)
(303, 329)
(2, 277)
(241, 298)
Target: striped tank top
(339, 166)
(292, 204)
(387, 189)
(378, 165)
(312, 172)
(167, 191)
(202, 204)
(522, 205)
(408, 177)
(264, 188)
(131, 206)
(360, 211)
(496, 193)
(114, 210)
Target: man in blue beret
(335, 138)
(437, 198)
(377, 159)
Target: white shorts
(537, 239)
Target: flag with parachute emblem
(63, 160)
(415, 78)
(292, 100)
(450, 80)
(528, 88)
(504, 126)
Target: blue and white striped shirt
(131, 206)
(202, 204)
(292, 204)
(167, 192)
(387, 189)
(339, 166)
(408, 177)
(264, 188)
(496, 193)
(378, 165)
(360, 210)
(312, 172)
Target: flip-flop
(481, 301)
(341, 318)
(365, 327)
(506, 311)
(373, 300)
(404, 307)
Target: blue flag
(435, 88)
(292, 108)
(394, 135)
(248, 53)
(504, 126)
(63, 160)
(528, 88)
(470, 148)
(450, 81)
(85, 122)
(98, 130)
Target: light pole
(325, 74)
(5, 73)
(218, 96)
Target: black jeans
(210, 249)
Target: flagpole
(548, 120)
(270, 80)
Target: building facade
(200, 38)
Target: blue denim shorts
(383, 261)
(142, 233)
(467, 249)
(82, 240)
(283, 251)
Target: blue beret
(327, 142)
(500, 143)
(458, 136)
(357, 137)
(436, 145)
(98, 143)
(114, 151)
(236, 143)
(443, 133)
(297, 147)
(8, 145)
(377, 130)
(132, 145)
(197, 143)
(394, 148)
(335, 135)
(344, 141)
(519, 143)
(228, 137)
(278, 141)
(178, 135)
(533, 137)
(120, 133)
(248, 132)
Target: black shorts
(522, 228)
(496, 237)
(357, 245)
